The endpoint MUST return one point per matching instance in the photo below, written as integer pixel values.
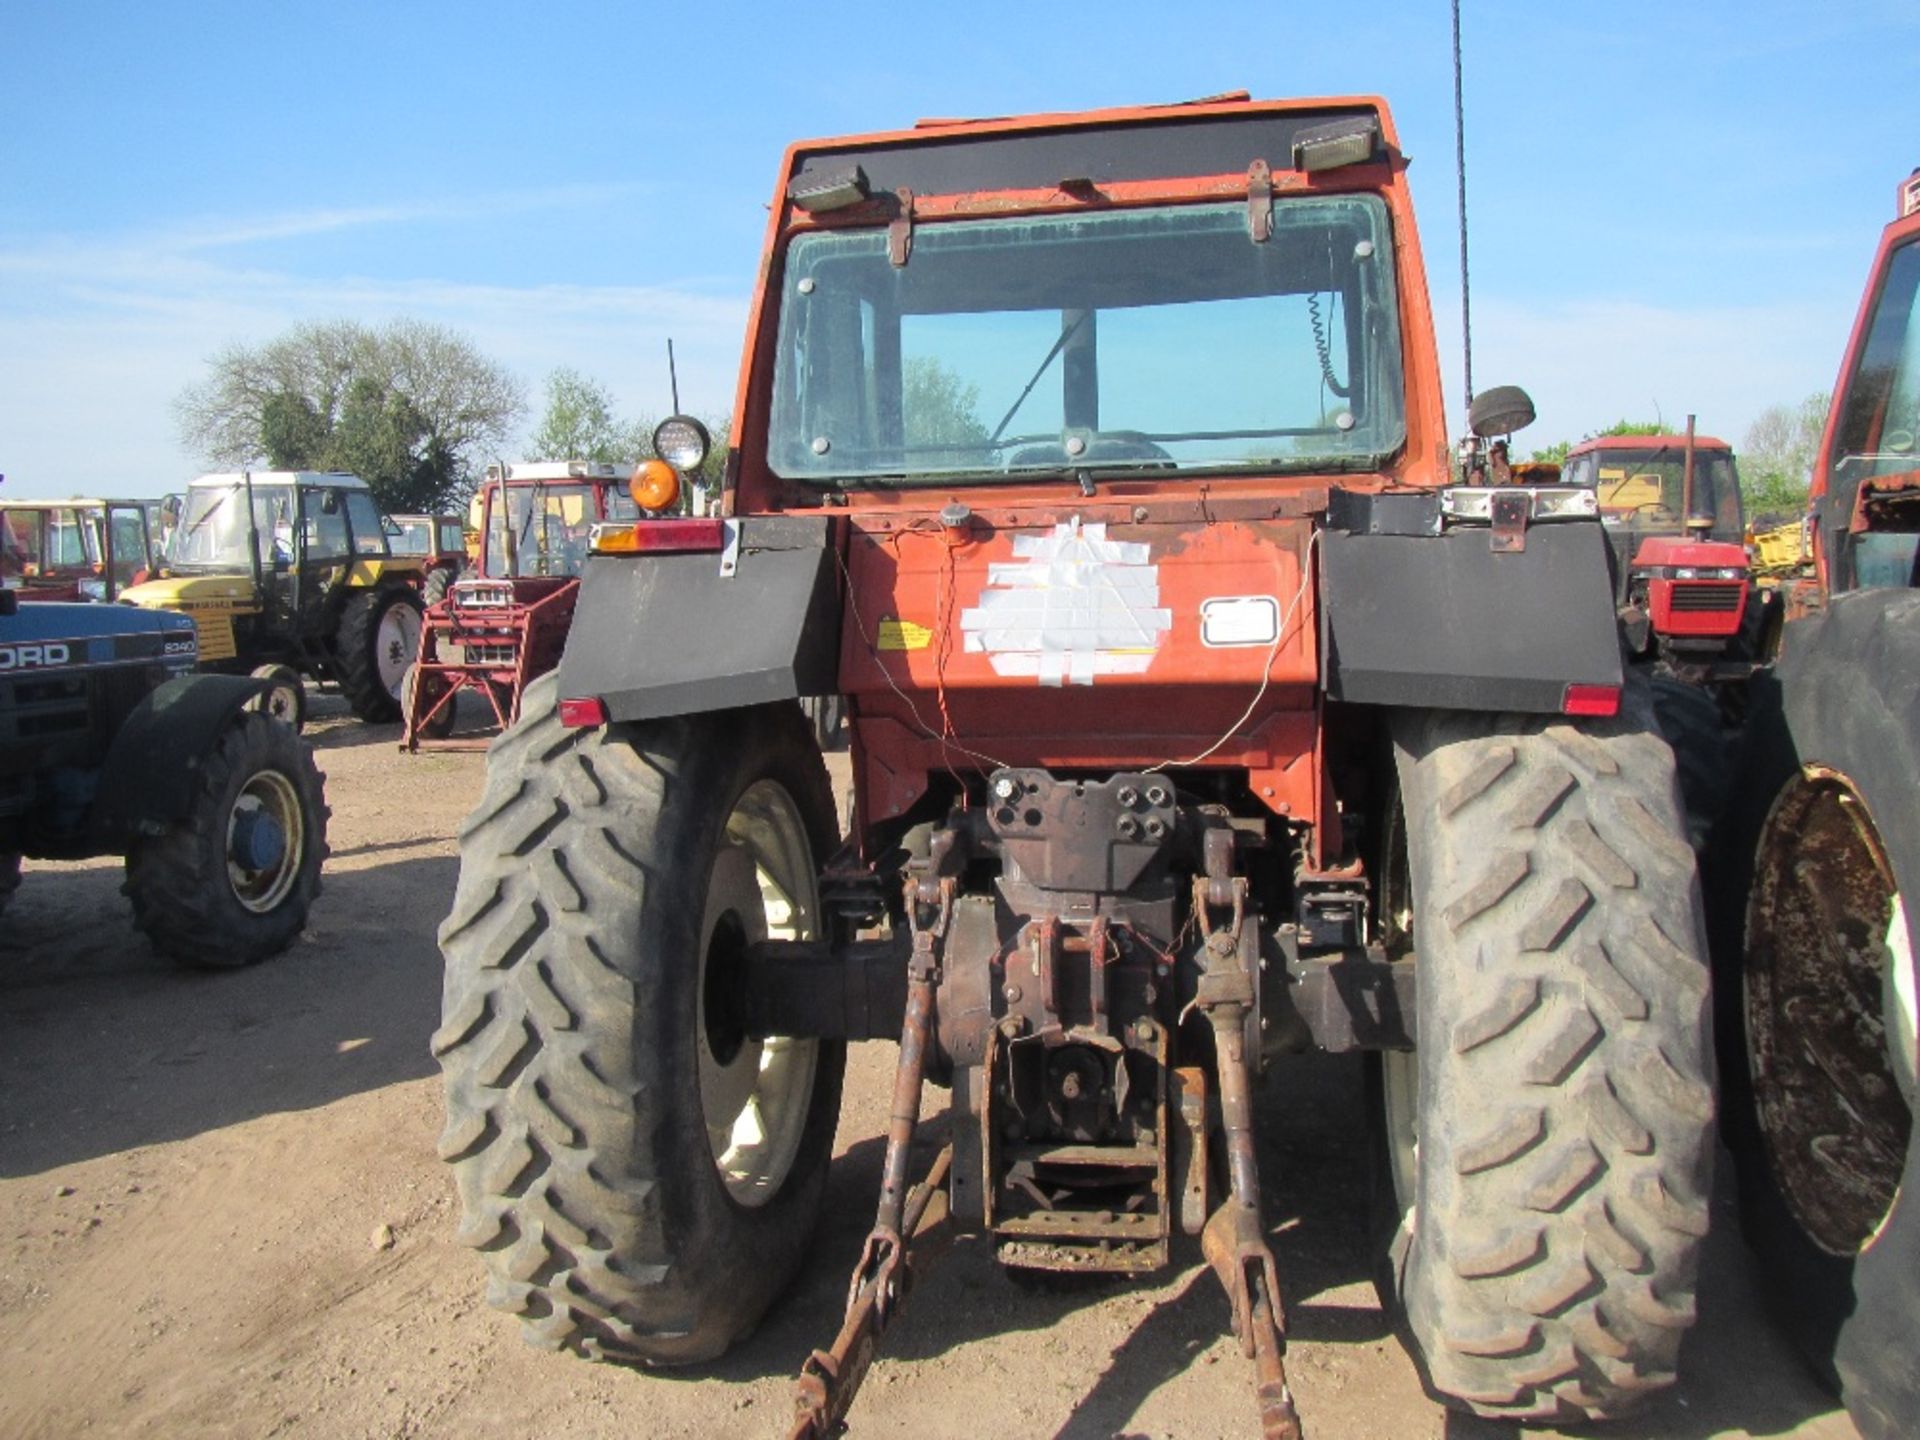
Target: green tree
(1777, 455)
(579, 424)
(413, 408)
(938, 407)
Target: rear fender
(152, 767)
(669, 634)
(1417, 614)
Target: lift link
(1234, 1241)
(831, 1378)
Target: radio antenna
(673, 376)
(1460, 169)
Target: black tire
(369, 654)
(1562, 1084)
(440, 725)
(9, 879)
(285, 698)
(197, 907)
(827, 715)
(1689, 716)
(439, 580)
(1820, 1127)
(573, 1044)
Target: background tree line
(1775, 457)
(415, 410)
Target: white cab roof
(284, 477)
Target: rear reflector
(1601, 700)
(661, 537)
(583, 714)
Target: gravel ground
(221, 1215)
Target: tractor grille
(1707, 599)
(508, 654)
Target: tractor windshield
(415, 536)
(213, 533)
(1160, 339)
(1643, 489)
(544, 529)
(1878, 432)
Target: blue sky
(1673, 205)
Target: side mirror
(1499, 411)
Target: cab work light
(1601, 701)
(655, 485)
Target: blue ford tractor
(110, 745)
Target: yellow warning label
(903, 635)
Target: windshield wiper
(1021, 399)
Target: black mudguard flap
(661, 635)
(1443, 621)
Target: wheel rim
(267, 797)
(283, 702)
(754, 1094)
(1824, 997)
(395, 643)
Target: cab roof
(329, 478)
(1646, 442)
(559, 470)
(70, 502)
(1218, 136)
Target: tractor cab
(75, 549)
(291, 572)
(1673, 518)
(505, 619)
(439, 539)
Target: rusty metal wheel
(1813, 873)
(1828, 998)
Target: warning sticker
(902, 635)
(1071, 606)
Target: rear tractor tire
(1548, 1147)
(1816, 926)
(379, 638)
(9, 879)
(231, 883)
(439, 581)
(641, 1177)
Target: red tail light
(1598, 700)
(583, 714)
(661, 537)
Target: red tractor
(1671, 505)
(75, 549)
(1816, 890)
(1690, 611)
(1098, 463)
(441, 540)
(501, 624)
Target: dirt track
(193, 1169)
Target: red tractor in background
(439, 539)
(1671, 506)
(76, 549)
(1690, 612)
(502, 623)
(1814, 881)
